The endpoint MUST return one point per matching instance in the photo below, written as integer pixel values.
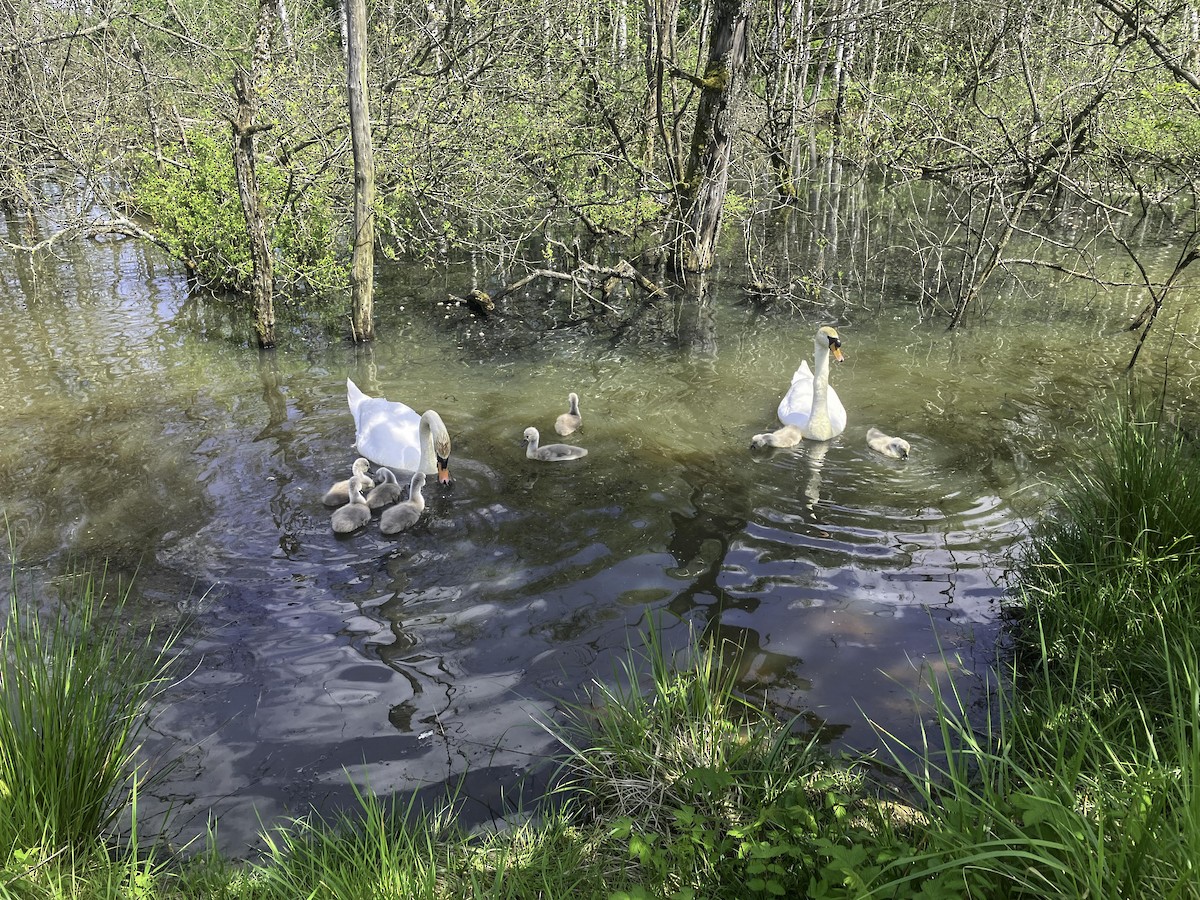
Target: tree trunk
(244, 129)
(362, 268)
(697, 224)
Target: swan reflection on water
(814, 460)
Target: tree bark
(362, 268)
(701, 199)
(244, 129)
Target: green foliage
(196, 211)
(706, 793)
(72, 695)
(1157, 132)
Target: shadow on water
(139, 429)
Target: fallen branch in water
(585, 276)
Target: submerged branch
(121, 226)
(1074, 273)
(585, 276)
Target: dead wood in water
(586, 276)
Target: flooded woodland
(143, 434)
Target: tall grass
(73, 692)
(383, 850)
(704, 791)
(1084, 779)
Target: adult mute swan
(551, 452)
(359, 479)
(391, 434)
(405, 513)
(895, 447)
(571, 419)
(353, 516)
(810, 404)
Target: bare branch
(17, 46)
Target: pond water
(138, 428)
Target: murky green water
(136, 427)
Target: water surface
(137, 427)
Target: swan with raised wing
(551, 452)
(391, 434)
(810, 404)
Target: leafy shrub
(194, 207)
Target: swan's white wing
(803, 371)
(385, 431)
(796, 405)
(837, 412)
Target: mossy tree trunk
(244, 129)
(701, 196)
(362, 267)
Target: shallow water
(136, 427)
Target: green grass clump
(73, 691)
(704, 791)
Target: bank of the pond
(1081, 778)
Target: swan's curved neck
(819, 426)
(428, 464)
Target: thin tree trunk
(244, 129)
(362, 268)
(135, 50)
(698, 221)
(285, 28)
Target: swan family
(810, 409)
(394, 437)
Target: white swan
(405, 513)
(810, 404)
(391, 434)
(339, 493)
(353, 516)
(551, 452)
(895, 447)
(571, 419)
(387, 491)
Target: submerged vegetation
(1078, 774)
